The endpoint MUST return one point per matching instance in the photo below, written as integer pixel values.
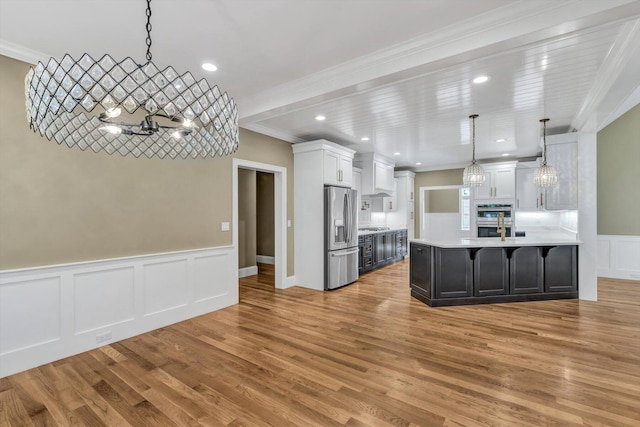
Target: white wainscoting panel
(165, 286)
(619, 257)
(96, 305)
(41, 316)
(51, 312)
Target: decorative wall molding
(248, 271)
(265, 259)
(51, 312)
(291, 281)
(619, 257)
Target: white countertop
(495, 242)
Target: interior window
(465, 208)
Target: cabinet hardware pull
(541, 199)
(537, 203)
(518, 203)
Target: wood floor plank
(367, 354)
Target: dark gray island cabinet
(471, 273)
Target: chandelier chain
(149, 30)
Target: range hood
(377, 174)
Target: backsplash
(547, 221)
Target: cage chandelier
(80, 103)
(473, 175)
(545, 176)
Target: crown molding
(624, 48)
(21, 53)
(513, 25)
(255, 127)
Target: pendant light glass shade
(545, 176)
(473, 175)
(82, 103)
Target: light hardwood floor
(364, 355)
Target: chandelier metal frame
(78, 103)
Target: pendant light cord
(149, 31)
(473, 140)
(544, 140)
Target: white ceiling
(396, 71)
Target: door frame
(423, 191)
(280, 215)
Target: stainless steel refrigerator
(341, 237)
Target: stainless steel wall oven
(487, 219)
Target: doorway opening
(445, 212)
(279, 209)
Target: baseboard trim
(51, 312)
(248, 271)
(291, 281)
(265, 259)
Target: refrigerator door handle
(345, 253)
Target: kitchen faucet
(501, 229)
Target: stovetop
(374, 229)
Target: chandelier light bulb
(112, 129)
(113, 112)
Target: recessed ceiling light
(481, 79)
(320, 118)
(208, 66)
(396, 154)
(364, 138)
(500, 140)
(505, 154)
(418, 163)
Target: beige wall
(619, 176)
(246, 218)
(444, 201)
(60, 205)
(433, 179)
(265, 232)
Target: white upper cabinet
(562, 154)
(528, 196)
(336, 161)
(377, 173)
(500, 182)
(337, 168)
(405, 182)
(382, 177)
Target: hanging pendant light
(79, 104)
(473, 175)
(545, 176)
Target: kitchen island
(488, 270)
